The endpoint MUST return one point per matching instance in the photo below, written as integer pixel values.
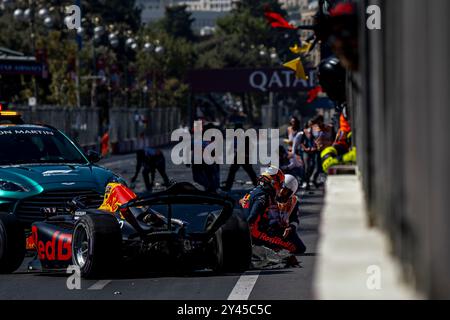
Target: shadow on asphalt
(136, 275)
(278, 272)
(309, 254)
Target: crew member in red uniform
(273, 212)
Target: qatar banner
(249, 80)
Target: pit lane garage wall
(401, 102)
(129, 128)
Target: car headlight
(12, 186)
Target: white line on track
(244, 286)
(99, 285)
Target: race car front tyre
(12, 243)
(96, 245)
(236, 244)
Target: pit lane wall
(129, 129)
(354, 261)
(400, 102)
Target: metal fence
(81, 124)
(129, 128)
(401, 106)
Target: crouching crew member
(151, 159)
(289, 210)
(267, 226)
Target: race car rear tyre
(216, 248)
(12, 243)
(236, 244)
(96, 245)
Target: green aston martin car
(41, 170)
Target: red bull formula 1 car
(180, 228)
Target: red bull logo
(245, 201)
(59, 248)
(116, 195)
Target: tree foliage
(14, 36)
(242, 35)
(258, 7)
(238, 42)
(177, 22)
(165, 71)
(61, 55)
(115, 11)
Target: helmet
(289, 187)
(332, 76)
(274, 177)
(344, 27)
(291, 183)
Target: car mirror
(93, 156)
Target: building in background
(308, 10)
(294, 9)
(205, 12)
(206, 5)
(293, 3)
(152, 10)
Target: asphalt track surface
(286, 284)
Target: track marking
(99, 285)
(244, 286)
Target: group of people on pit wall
(302, 157)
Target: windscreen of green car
(36, 146)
